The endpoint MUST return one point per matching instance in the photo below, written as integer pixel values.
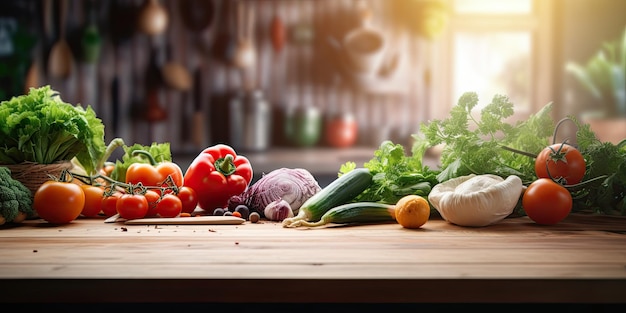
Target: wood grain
(582, 259)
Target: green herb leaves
(395, 174)
(473, 139)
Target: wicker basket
(32, 175)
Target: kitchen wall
(111, 66)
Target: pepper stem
(225, 165)
(114, 144)
(147, 154)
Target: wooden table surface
(582, 259)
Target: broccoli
(16, 202)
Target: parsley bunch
(395, 174)
(474, 144)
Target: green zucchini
(340, 191)
(355, 212)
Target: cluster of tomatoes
(60, 202)
(148, 189)
(547, 201)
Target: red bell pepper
(217, 174)
(153, 174)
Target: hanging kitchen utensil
(278, 31)
(154, 112)
(32, 77)
(226, 38)
(198, 16)
(245, 53)
(258, 82)
(175, 75)
(91, 40)
(197, 119)
(60, 63)
(153, 18)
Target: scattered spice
(254, 217)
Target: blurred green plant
(604, 76)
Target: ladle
(175, 75)
(61, 58)
(153, 18)
(245, 54)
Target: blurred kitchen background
(298, 83)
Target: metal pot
(250, 121)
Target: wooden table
(580, 260)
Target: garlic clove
(278, 210)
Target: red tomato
(561, 161)
(189, 199)
(132, 206)
(169, 206)
(546, 202)
(59, 202)
(153, 199)
(109, 204)
(93, 200)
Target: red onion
(293, 185)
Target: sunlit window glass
(493, 6)
(493, 63)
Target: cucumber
(340, 191)
(354, 213)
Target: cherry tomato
(546, 202)
(93, 200)
(189, 199)
(109, 204)
(132, 206)
(107, 169)
(169, 206)
(153, 199)
(59, 202)
(561, 161)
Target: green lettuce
(39, 127)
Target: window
(495, 47)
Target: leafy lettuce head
(39, 127)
